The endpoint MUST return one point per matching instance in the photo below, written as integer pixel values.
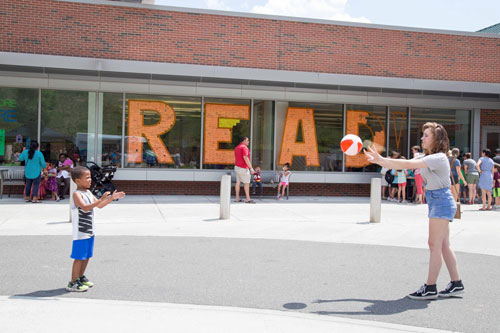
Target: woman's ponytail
(33, 148)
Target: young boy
(257, 180)
(82, 216)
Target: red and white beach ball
(351, 144)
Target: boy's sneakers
(425, 293)
(84, 281)
(453, 288)
(76, 286)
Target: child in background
(464, 189)
(402, 185)
(384, 183)
(284, 178)
(410, 185)
(42, 193)
(496, 186)
(52, 181)
(419, 181)
(393, 189)
(257, 180)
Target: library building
(166, 93)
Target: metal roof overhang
(43, 66)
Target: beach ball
(351, 144)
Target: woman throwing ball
(435, 170)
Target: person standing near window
(471, 175)
(243, 169)
(35, 164)
(485, 168)
(456, 173)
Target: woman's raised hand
(373, 156)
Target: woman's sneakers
(429, 292)
(76, 286)
(453, 288)
(426, 292)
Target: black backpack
(389, 177)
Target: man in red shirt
(243, 168)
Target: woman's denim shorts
(441, 204)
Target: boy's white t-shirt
(83, 222)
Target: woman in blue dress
(485, 168)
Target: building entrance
(491, 138)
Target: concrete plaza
(309, 264)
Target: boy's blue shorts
(83, 249)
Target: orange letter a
(137, 129)
(289, 145)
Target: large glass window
(68, 125)
(225, 122)
(18, 122)
(456, 122)
(263, 135)
(398, 130)
(367, 122)
(162, 131)
(311, 134)
(110, 131)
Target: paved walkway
(317, 219)
(313, 219)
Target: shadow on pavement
(44, 293)
(376, 307)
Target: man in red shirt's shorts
(243, 169)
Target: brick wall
(488, 118)
(212, 188)
(113, 32)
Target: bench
(269, 179)
(11, 177)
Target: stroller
(101, 179)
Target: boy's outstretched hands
(105, 195)
(373, 156)
(117, 195)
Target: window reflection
(328, 128)
(110, 133)
(398, 130)
(179, 144)
(225, 122)
(68, 125)
(18, 122)
(367, 122)
(456, 122)
(263, 134)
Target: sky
(459, 15)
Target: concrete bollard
(225, 197)
(375, 200)
(72, 189)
